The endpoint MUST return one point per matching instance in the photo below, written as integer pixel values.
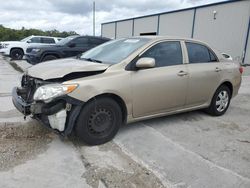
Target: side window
(198, 53)
(212, 57)
(165, 53)
(81, 42)
(35, 40)
(48, 40)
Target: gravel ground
(21, 143)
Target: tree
(7, 34)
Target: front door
(77, 46)
(162, 88)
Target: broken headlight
(48, 92)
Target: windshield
(25, 39)
(66, 40)
(114, 51)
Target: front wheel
(16, 54)
(99, 121)
(220, 101)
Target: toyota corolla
(127, 80)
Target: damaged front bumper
(59, 114)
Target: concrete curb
(19, 65)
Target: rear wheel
(99, 121)
(49, 57)
(220, 101)
(16, 54)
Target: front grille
(29, 87)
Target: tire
(49, 57)
(220, 102)
(16, 54)
(99, 121)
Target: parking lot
(186, 150)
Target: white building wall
(177, 23)
(124, 29)
(228, 31)
(145, 25)
(108, 30)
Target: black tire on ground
(16, 54)
(99, 121)
(49, 57)
(220, 102)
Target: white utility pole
(94, 18)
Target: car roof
(45, 36)
(159, 37)
(97, 37)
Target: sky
(76, 15)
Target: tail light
(241, 70)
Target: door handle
(217, 69)
(182, 73)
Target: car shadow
(192, 116)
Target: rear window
(48, 40)
(198, 53)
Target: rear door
(204, 73)
(162, 88)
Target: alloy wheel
(222, 101)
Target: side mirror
(145, 62)
(28, 41)
(72, 45)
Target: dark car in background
(68, 47)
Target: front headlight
(48, 92)
(5, 45)
(35, 50)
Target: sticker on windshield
(132, 40)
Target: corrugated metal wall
(124, 29)
(145, 25)
(222, 25)
(176, 24)
(108, 30)
(226, 30)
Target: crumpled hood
(62, 67)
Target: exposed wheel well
(16, 49)
(119, 101)
(56, 55)
(229, 85)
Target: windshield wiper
(92, 60)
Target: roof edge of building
(173, 11)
